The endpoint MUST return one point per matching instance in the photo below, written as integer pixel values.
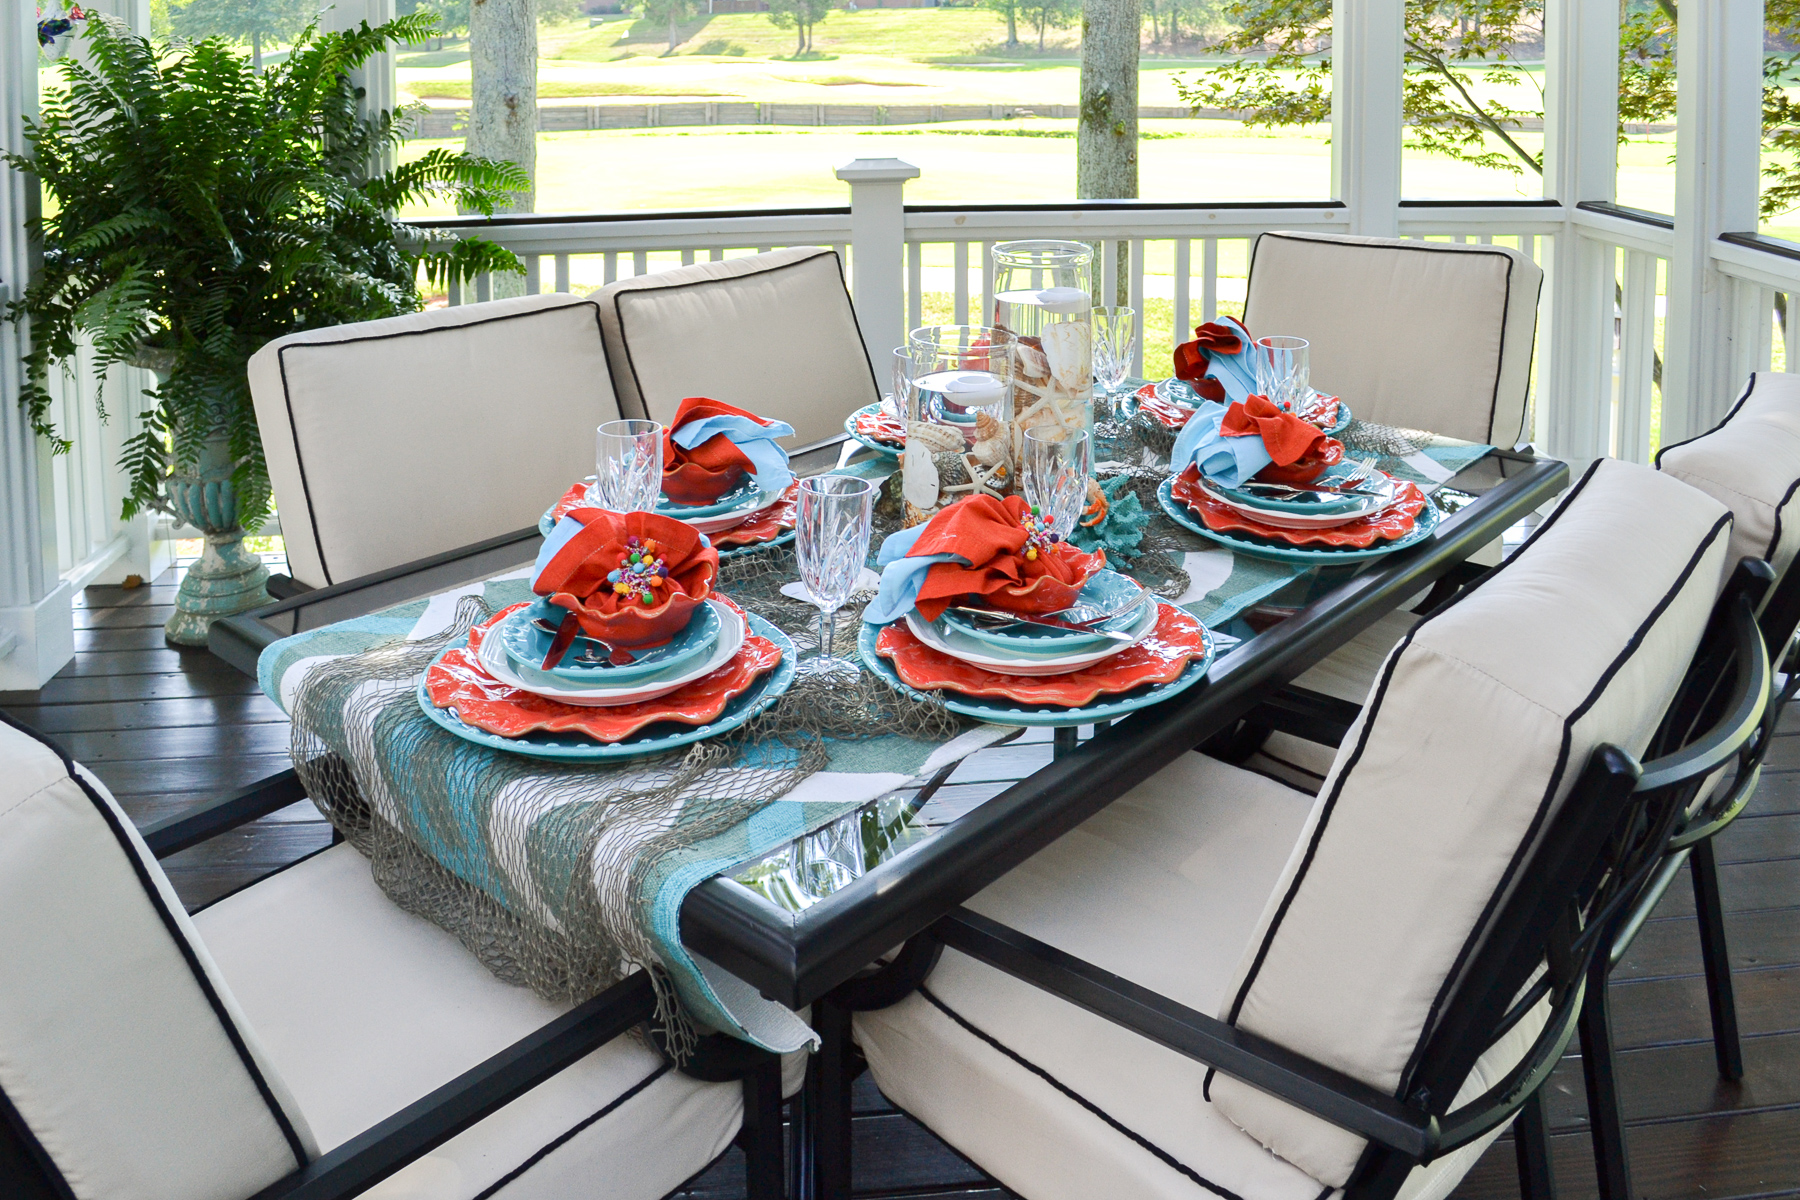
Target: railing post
(1366, 66)
(878, 251)
(1581, 108)
(36, 625)
(1719, 60)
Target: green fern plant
(199, 209)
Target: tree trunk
(1012, 25)
(674, 39)
(1106, 160)
(256, 51)
(1043, 20)
(799, 37)
(503, 112)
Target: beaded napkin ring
(1040, 533)
(639, 571)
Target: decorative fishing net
(541, 869)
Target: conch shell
(936, 438)
(991, 441)
(1067, 348)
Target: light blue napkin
(757, 442)
(1236, 373)
(1227, 461)
(902, 577)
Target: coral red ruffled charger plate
(1394, 521)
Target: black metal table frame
(796, 957)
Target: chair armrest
(1327, 1093)
(214, 817)
(471, 1097)
(286, 587)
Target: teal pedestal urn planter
(227, 579)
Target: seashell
(952, 470)
(1067, 347)
(987, 427)
(919, 475)
(938, 438)
(1032, 362)
(991, 452)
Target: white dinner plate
(731, 639)
(980, 654)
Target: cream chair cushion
(1163, 887)
(1751, 463)
(1480, 722)
(123, 1052)
(367, 1008)
(390, 441)
(773, 333)
(1423, 335)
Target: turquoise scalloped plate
(878, 447)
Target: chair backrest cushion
(1423, 335)
(1477, 726)
(125, 1065)
(390, 441)
(773, 333)
(1751, 463)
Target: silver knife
(995, 617)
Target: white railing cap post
(877, 170)
(878, 252)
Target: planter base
(227, 580)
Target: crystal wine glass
(832, 541)
(628, 466)
(1284, 370)
(1055, 474)
(1115, 338)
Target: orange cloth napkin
(991, 534)
(1192, 358)
(1287, 438)
(586, 561)
(709, 470)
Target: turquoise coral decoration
(1119, 528)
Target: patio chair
(1750, 461)
(1393, 976)
(305, 1037)
(390, 441)
(774, 333)
(1422, 335)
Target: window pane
(1646, 162)
(1781, 121)
(1474, 101)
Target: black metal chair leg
(829, 1075)
(761, 1132)
(1604, 1115)
(1727, 1050)
(1531, 1147)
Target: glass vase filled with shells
(957, 405)
(1043, 296)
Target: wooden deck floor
(165, 728)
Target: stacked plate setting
(1035, 650)
(590, 675)
(1315, 510)
(734, 508)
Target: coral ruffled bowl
(580, 584)
(1043, 592)
(691, 483)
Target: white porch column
(36, 627)
(381, 88)
(1366, 66)
(1581, 63)
(878, 252)
(1718, 59)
